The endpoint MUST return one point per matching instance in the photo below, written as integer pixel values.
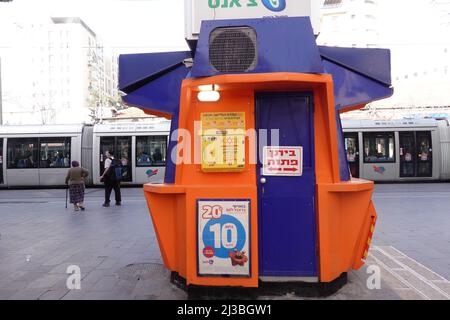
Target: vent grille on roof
(233, 49)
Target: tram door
(425, 154)
(121, 146)
(352, 151)
(2, 181)
(287, 219)
(416, 154)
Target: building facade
(54, 71)
(418, 35)
(351, 23)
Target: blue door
(287, 221)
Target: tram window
(379, 147)
(54, 152)
(22, 153)
(151, 151)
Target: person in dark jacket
(75, 179)
(108, 177)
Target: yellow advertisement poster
(223, 141)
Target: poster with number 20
(223, 237)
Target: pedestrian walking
(75, 179)
(111, 177)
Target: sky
(158, 25)
(124, 25)
(410, 29)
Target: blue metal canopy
(153, 81)
(360, 76)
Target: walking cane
(67, 191)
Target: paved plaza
(118, 255)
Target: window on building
(55, 152)
(151, 151)
(332, 2)
(22, 153)
(379, 147)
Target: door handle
(263, 180)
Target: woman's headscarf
(75, 164)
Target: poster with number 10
(223, 237)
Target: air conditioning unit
(233, 49)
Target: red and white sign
(283, 161)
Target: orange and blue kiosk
(257, 187)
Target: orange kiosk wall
(345, 212)
(331, 80)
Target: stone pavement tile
(6, 293)
(74, 294)
(392, 251)
(120, 294)
(6, 276)
(48, 281)
(420, 285)
(56, 237)
(88, 263)
(15, 284)
(149, 287)
(62, 268)
(30, 276)
(54, 294)
(129, 258)
(90, 279)
(36, 267)
(108, 263)
(57, 258)
(386, 260)
(28, 294)
(10, 264)
(356, 288)
(78, 294)
(106, 283)
(99, 295)
(145, 297)
(409, 294)
(388, 280)
(392, 282)
(124, 292)
(139, 249)
(443, 285)
(420, 269)
(171, 292)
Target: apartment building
(54, 70)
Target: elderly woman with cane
(75, 178)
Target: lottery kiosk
(257, 186)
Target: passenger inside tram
(59, 162)
(124, 161)
(157, 155)
(143, 158)
(424, 149)
(29, 162)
